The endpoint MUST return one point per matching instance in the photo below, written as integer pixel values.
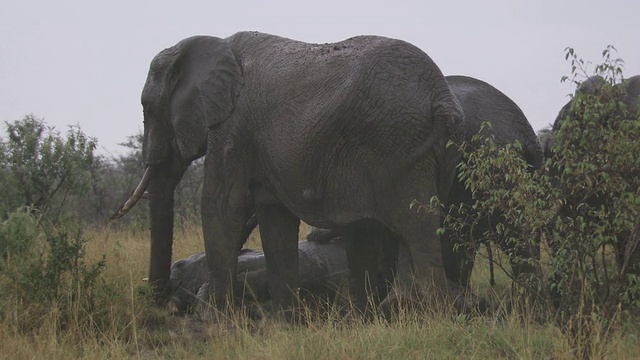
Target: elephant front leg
(279, 235)
(524, 258)
(224, 217)
(372, 254)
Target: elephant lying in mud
(322, 267)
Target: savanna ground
(129, 327)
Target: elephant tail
(492, 279)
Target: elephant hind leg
(372, 255)
(420, 277)
(458, 260)
(362, 257)
(279, 234)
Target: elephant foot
(291, 316)
(359, 314)
(207, 311)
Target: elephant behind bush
(481, 103)
(595, 94)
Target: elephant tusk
(135, 196)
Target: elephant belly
(330, 204)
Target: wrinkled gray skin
(322, 269)
(332, 134)
(631, 99)
(481, 103)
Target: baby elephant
(323, 270)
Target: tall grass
(132, 328)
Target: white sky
(85, 62)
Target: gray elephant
(322, 269)
(627, 250)
(333, 134)
(481, 103)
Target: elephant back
(481, 102)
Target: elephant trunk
(136, 195)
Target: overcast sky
(85, 62)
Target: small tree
(42, 167)
(42, 263)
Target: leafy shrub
(42, 167)
(584, 206)
(596, 234)
(48, 271)
(518, 202)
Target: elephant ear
(214, 76)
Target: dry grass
(136, 330)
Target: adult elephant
(481, 102)
(332, 134)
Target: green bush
(583, 207)
(595, 236)
(42, 167)
(43, 269)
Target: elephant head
(190, 87)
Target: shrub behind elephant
(597, 109)
(322, 265)
(483, 103)
(332, 134)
